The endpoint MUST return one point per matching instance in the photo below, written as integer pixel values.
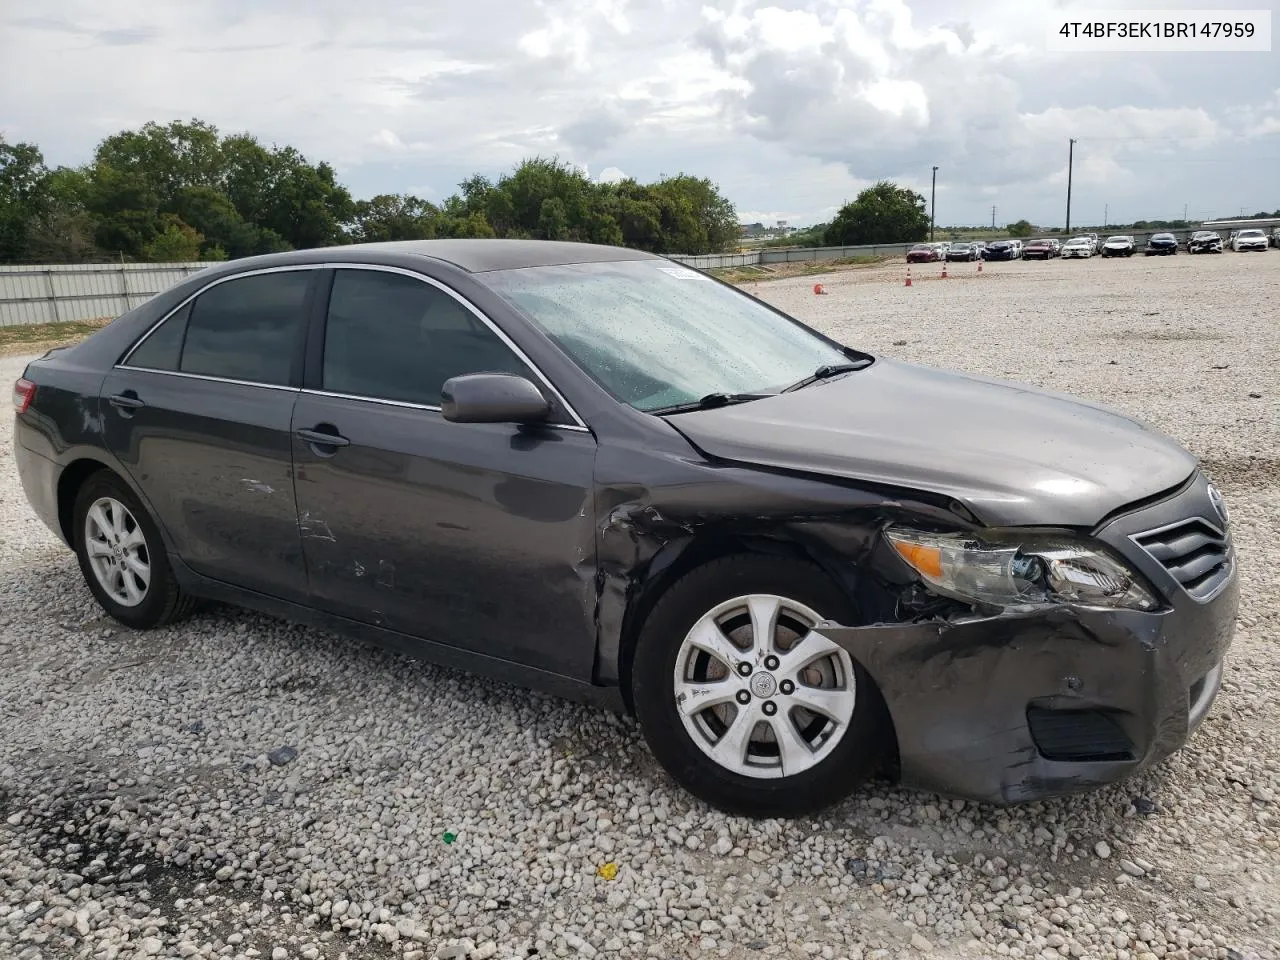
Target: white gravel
(148, 806)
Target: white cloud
(791, 105)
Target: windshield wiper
(826, 372)
(710, 401)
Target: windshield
(1117, 239)
(1251, 233)
(923, 246)
(656, 334)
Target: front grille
(1078, 736)
(1195, 552)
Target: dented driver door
(477, 535)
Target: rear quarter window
(161, 348)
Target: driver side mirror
(492, 398)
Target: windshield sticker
(682, 273)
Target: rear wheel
(743, 703)
(122, 556)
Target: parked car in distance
(795, 562)
(923, 253)
(1275, 237)
(1038, 250)
(1057, 245)
(1118, 246)
(1161, 244)
(1204, 241)
(1250, 240)
(1002, 250)
(1097, 241)
(963, 251)
(1077, 248)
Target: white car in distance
(1250, 240)
(1078, 247)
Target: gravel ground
(240, 787)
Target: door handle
(125, 401)
(322, 438)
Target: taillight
(24, 391)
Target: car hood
(1013, 454)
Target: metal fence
(58, 293)
(714, 261)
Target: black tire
(163, 600)
(852, 760)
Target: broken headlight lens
(1007, 569)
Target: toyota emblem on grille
(1215, 497)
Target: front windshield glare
(656, 334)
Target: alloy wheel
(759, 691)
(117, 551)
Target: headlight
(1007, 569)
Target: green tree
(212, 214)
(882, 213)
(24, 196)
(553, 220)
(177, 242)
(62, 232)
(702, 221)
(182, 189)
(167, 157)
(1021, 228)
(393, 216)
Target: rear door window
(249, 328)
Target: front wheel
(743, 703)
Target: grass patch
(33, 337)
(799, 268)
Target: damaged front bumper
(1022, 706)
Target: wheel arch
(677, 559)
(70, 480)
(74, 475)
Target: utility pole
(933, 200)
(1106, 210)
(993, 216)
(1071, 149)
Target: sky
(791, 106)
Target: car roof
(477, 255)
(483, 254)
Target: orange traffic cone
(979, 266)
(817, 288)
(908, 283)
(944, 269)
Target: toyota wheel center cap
(763, 685)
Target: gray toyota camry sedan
(594, 471)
